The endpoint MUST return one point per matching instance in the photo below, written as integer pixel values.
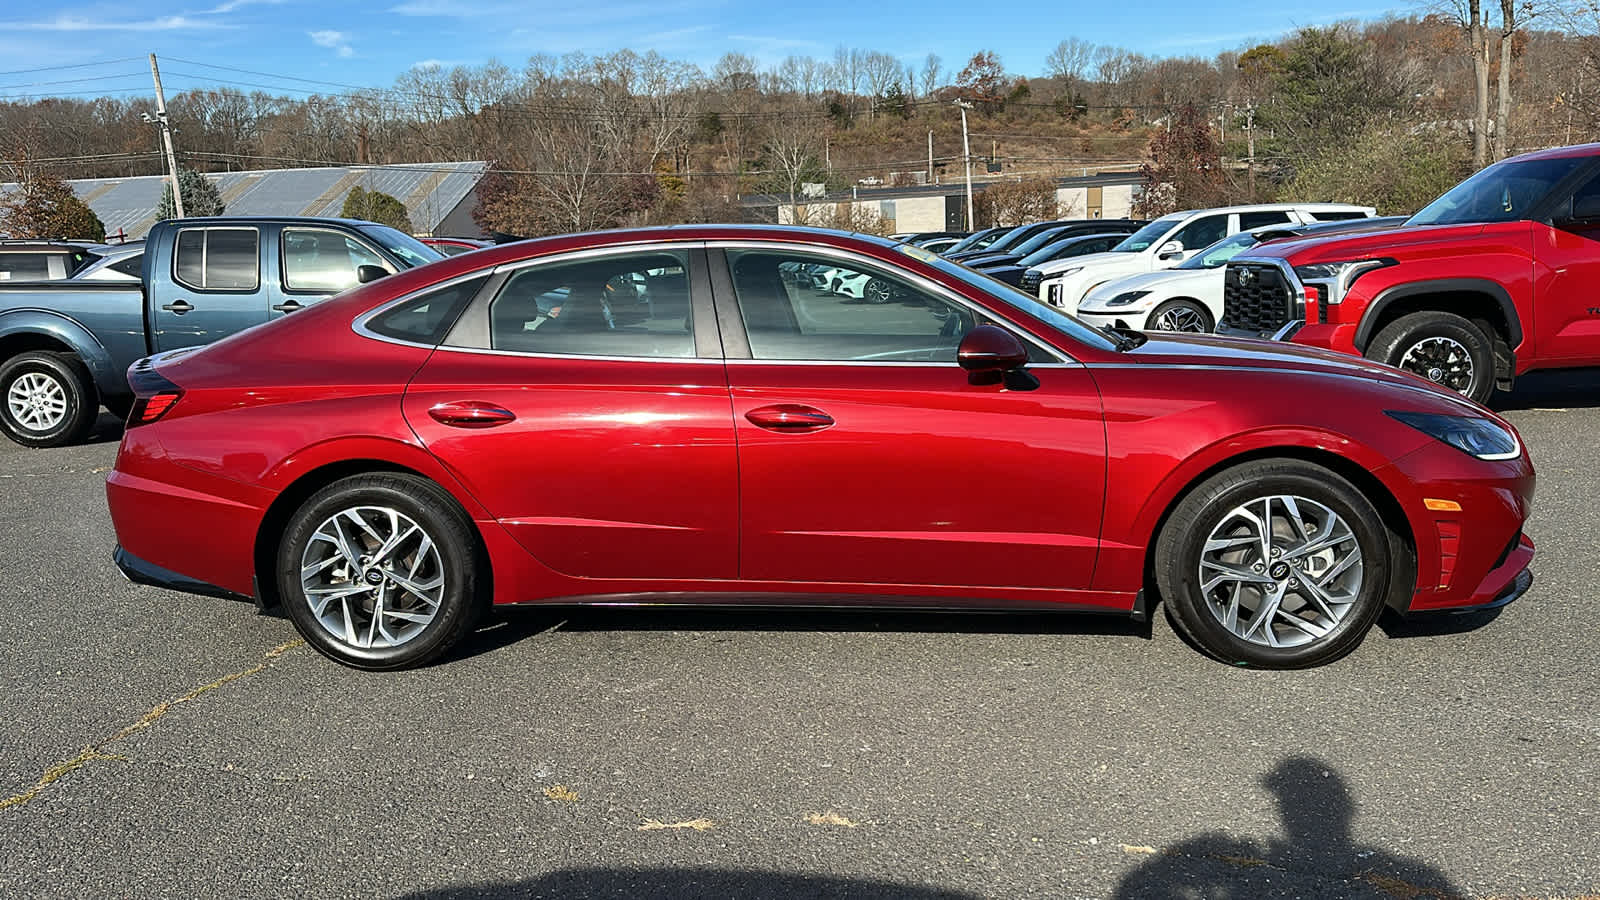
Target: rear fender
(69, 332)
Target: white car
(1172, 239)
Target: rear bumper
(141, 571)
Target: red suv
(1494, 279)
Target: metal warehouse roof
(430, 191)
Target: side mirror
(989, 352)
(369, 273)
(1171, 250)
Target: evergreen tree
(200, 196)
(376, 206)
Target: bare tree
(878, 71)
(1069, 61)
(932, 73)
(793, 143)
(1472, 18)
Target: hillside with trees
(1385, 113)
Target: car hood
(1363, 244)
(1092, 260)
(1209, 350)
(1162, 278)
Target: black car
(1023, 274)
(977, 240)
(1006, 241)
(989, 259)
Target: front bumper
(1132, 318)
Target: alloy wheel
(37, 401)
(1180, 318)
(1443, 361)
(372, 577)
(1281, 571)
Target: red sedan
(679, 415)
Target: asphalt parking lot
(159, 744)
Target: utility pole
(966, 154)
(930, 150)
(1250, 146)
(166, 136)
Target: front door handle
(471, 414)
(789, 417)
(287, 306)
(178, 307)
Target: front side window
(634, 304)
(1202, 232)
(218, 259)
(801, 307)
(315, 259)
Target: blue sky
(370, 42)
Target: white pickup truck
(1172, 239)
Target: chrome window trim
(921, 281)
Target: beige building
(1107, 195)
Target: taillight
(149, 409)
(154, 394)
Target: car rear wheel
(1277, 564)
(1181, 315)
(1442, 347)
(46, 399)
(379, 571)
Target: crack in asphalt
(95, 752)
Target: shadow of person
(1316, 857)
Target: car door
(581, 400)
(316, 263)
(1566, 300)
(211, 287)
(866, 456)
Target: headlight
(1125, 298)
(1335, 278)
(1473, 435)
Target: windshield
(1218, 254)
(1148, 235)
(976, 240)
(1013, 236)
(1500, 193)
(1037, 241)
(1055, 249)
(1019, 300)
(407, 249)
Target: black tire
(459, 559)
(1179, 546)
(1431, 338)
(1195, 310)
(68, 375)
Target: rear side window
(218, 259)
(1250, 220)
(427, 318)
(1339, 216)
(628, 304)
(24, 266)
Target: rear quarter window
(426, 318)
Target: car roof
(1269, 207)
(1559, 153)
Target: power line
(5, 87)
(88, 65)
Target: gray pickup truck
(65, 346)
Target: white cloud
(82, 23)
(337, 41)
(230, 5)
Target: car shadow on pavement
(1556, 389)
(1436, 624)
(596, 883)
(107, 430)
(1315, 856)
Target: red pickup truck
(1498, 277)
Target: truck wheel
(46, 399)
(1441, 347)
(1181, 315)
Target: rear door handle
(471, 414)
(178, 307)
(287, 306)
(789, 417)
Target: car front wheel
(1277, 564)
(1442, 347)
(1181, 315)
(379, 571)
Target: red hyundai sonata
(690, 415)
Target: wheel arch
(1370, 485)
(292, 496)
(1474, 299)
(31, 330)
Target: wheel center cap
(1435, 373)
(373, 577)
(1279, 571)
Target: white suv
(1172, 239)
